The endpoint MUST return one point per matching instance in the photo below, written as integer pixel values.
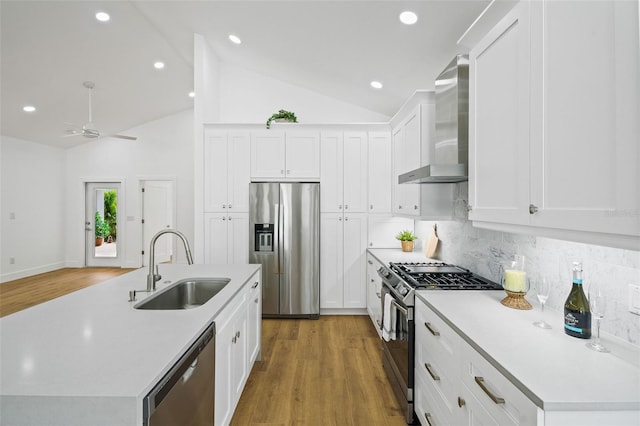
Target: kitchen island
(90, 357)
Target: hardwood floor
(313, 372)
(27, 292)
(324, 372)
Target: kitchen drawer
(430, 408)
(431, 331)
(502, 400)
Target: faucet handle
(157, 276)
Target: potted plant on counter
(282, 115)
(407, 239)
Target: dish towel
(388, 319)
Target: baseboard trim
(30, 272)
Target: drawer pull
(255, 284)
(495, 399)
(431, 329)
(461, 402)
(427, 416)
(433, 375)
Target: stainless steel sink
(185, 294)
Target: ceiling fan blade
(131, 138)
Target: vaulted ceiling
(49, 48)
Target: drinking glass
(598, 307)
(542, 287)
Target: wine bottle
(577, 315)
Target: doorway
(158, 212)
(102, 231)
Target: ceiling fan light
(408, 17)
(102, 16)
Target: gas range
(440, 276)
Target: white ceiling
(49, 48)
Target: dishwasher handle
(181, 371)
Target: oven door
(398, 353)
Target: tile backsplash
(482, 250)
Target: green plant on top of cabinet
(291, 155)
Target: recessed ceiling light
(376, 84)
(192, 94)
(235, 39)
(28, 108)
(408, 18)
(102, 16)
(158, 65)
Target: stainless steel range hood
(450, 152)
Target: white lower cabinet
(343, 239)
(238, 334)
(254, 318)
(226, 238)
(455, 385)
(374, 288)
(231, 358)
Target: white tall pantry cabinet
(555, 100)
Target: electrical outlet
(634, 299)
(12, 260)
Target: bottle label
(577, 324)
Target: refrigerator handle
(276, 243)
(281, 232)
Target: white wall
(33, 194)
(164, 149)
(482, 250)
(248, 97)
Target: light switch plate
(634, 299)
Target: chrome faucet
(152, 278)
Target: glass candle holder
(515, 283)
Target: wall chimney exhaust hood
(450, 153)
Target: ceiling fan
(87, 130)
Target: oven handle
(400, 308)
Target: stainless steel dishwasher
(185, 395)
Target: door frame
(141, 180)
(120, 218)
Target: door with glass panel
(102, 229)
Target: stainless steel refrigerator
(284, 229)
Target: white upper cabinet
(380, 177)
(585, 126)
(499, 121)
(343, 174)
(226, 171)
(277, 155)
(407, 142)
(554, 106)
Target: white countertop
(397, 255)
(556, 371)
(92, 344)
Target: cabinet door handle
(288, 172)
(379, 323)
(369, 262)
(371, 207)
(255, 284)
(427, 416)
(433, 375)
(431, 329)
(229, 217)
(256, 301)
(224, 218)
(399, 207)
(229, 206)
(224, 206)
(415, 207)
(496, 399)
(533, 209)
(234, 339)
(281, 172)
(461, 402)
(238, 334)
(346, 218)
(339, 206)
(378, 295)
(340, 219)
(346, 206)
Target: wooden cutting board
(432, 242)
